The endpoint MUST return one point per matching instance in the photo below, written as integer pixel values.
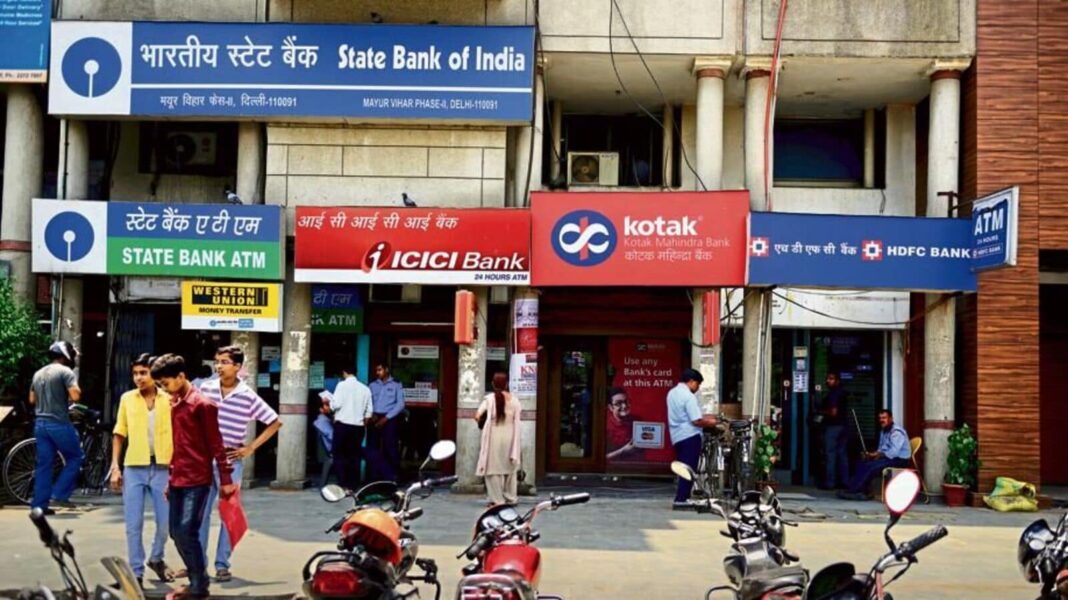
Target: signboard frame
(1000, 248)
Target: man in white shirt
(685, 422)
(351, 405)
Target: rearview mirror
(333, 493)
(683, 470)
(901, 492)
(442, 450)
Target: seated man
(894, 451)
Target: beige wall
(455, 12)
(373, 166)
(163, 10)
(129, 184)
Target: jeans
(187, 512)
(138, 482)
(52, 437)
(835, 456)
(687, 451)
(348, 454)
(383, 455)
(870, 468)
(223, 549)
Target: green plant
(765, 453)
(962, 462)
(23, 345)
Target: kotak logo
(660, 226)
(584, 238)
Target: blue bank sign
(860, 252)
(994, 229)
(292, 70)
(24, 40)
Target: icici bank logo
(584, 238)
(376, 257)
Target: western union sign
(225, 306)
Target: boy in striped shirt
(238, 405)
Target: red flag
(233, 517)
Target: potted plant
(961, 466)
(765, 455)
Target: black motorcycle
(1043, 557)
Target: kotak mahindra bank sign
(672, 238)
(412, 245)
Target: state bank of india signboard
(155, 239)
(449, 246)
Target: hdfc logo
(584, 238)
(758, 247)
(871, 250)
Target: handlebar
(413, 513)
(909, 549)
(48, 535)
(477, 547)
(441, 481)
(579, 498)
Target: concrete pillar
(559, 160)
(528, 151)
(943, 158)
(23, 164)
(293, 393)
(668, 166)
(869, 148)
(249, 341)
(756, 339)
(73, 184)
(471, 390)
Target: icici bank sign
(412, 245)
(639, 238)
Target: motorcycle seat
(739, 424)
(773, 580)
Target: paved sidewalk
(623, 544)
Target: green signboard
(336, 309)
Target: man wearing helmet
(53, 390)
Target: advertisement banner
(861, 252)
(525, 324)
(642, 372)
(994, 228)
(352, 71)
(483, 246)
(228, 306)
(336, 309)
(154, 239)
(418, 369)
(633, 238)
(24, 27)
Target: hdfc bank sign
(412, 245)
(638, 238)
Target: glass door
(576, 419)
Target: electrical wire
(861, 322)
(613, 7)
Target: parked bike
(21, 462)
(840, 581)
(1042, 554)
(507, 565)
(376, 551)
(758, 565)
(62, 551)
(723, 467)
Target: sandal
(223, 575)
(162, 571)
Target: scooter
(61, 548)
(1042, 555)
(376, 550)
(507, 566)
(758, 565)
(840, 581)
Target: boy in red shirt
(197, 442)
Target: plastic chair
(888, 473)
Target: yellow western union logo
(201, 298)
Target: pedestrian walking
(238, 405)
(835, 435)
(685, 423)
(143, 425)
(53, 389)
(351, 406)
(197, 443)
(387, 397)
(499, 453)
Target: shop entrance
(577, 376)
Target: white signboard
(523, 374)
(417, 350)
(648, 435)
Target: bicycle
(21, 462)
(711, 464)
(723, 467)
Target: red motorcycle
(507, 566)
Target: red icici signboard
(412, 245)
(639, 238)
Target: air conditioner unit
(181, 150)
(592, 168)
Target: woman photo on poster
(619, 428)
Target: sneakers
(62, 504)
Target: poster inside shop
(642, 372)
(417, 368)
(231, 306)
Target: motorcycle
(376, 550)
(1042, 554)
(61, 549)
(840, 581)
(507, 566)
(758, 565)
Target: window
(636, 139)
(821, 153)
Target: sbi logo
(584, 238)
(91, 67)
(69, 236)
